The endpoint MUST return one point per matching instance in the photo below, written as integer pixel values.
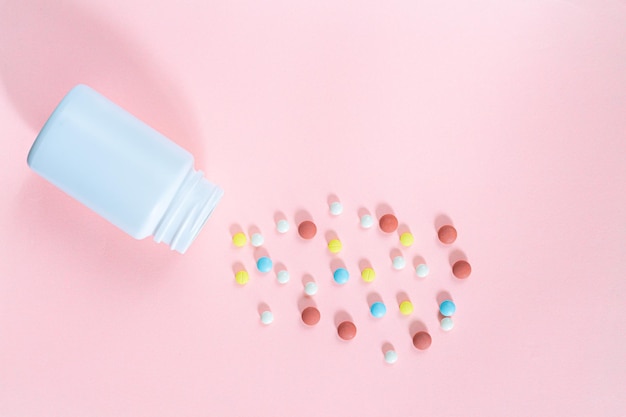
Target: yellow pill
(335, 246)
(368, 274)
(242, 277)
(239, 239)
(406, 239)
(406, 308)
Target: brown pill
(461, 269)
(346, 330)
(307, 229)
(447, 234)
(388, 223)
(422, 340)
(310, 316)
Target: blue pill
(378, 309)
(447, 308)
(264, 264)
(341, 275)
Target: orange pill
(447, 234)
(422, 340)
(307, 229)
(461, 269)
(310, 316)
(346, 330)
(388, 223)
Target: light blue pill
(264, 264)
(391, 356)
(257, 240)
(267, 317)
(447, 324)
(341, 275)
(422, 270)
(378, 309)
(282, 277)
(336, 208)
(398, 263)
(367, 221)
(282, 226)
(447, 308)
(310, 288)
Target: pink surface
(506, 116)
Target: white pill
(336, 208)
(398, 263)
(422, 270)
(282, 226)
(310, 288)
(257, 240)
(447, 324)
(267, 317)
(367, 221)
(282, 277)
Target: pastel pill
(341, 276)
(310, 316)
(264, 264)
(461, 269)
(239, 239)
(422, 340)
(388, 223)
(346, 330)
(307, 229)
(335, 246)
(447, 234)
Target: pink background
(509, 117)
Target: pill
(346, 330)
(282, 277)
(336, 208)
(256, 240)
(282, 226)
(368, 274)
(422, 340)
(447, 324)
(239, 239)
(391, 356)
(310, 316)
(398, 262)
(341, 275)
(447, 308)
(267, 317)
(388, 223)
(422, 270)
(406, 239)
(242, 277)
(367, 221)
(334, 246)
(307, 229)
(378, 309)
(447, 234)
(264, 264)
(461, 269)
(310, 288)
(406, 308)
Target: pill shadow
(443, 296)
(278, 216)
(234, 229)
(332, 198)
(336, 263)
(401, 297)
(418, 260)
(417, 326)
(403, 228)
(372, 298)
(260, 252)
(253, 229)
(364, 263)
(305, 301)
(330, 235)
(261, 307)
(362, 211)
(393, 253)
(442, 220)
(386, 347)
(302, 215)
(382, 209)
(341, 316)
(238, 266)
(456, 255)
(279, 266)
(306, 278)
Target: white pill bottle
(123, 169)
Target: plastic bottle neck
(189, 210)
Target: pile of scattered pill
(346, 330)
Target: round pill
(336, 208)
(307, 229)
(422, 270)
(310, 288)
(406, 308)
(341, 275)
(447, 234)
(257, 240)
(447, 308)
(267, 317)
(310, 316)
(398, 262)
(378, 309)
(282, 277)
(422, 340)
(282, 226)
(334, 246)
(368, 274)
(388, 223)
(239, 239)
(406, 239)
(264, 264)
(367, 221)
(391, 356)
(447, 324)
(242, 277)
(461, 269)
(346, 330)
